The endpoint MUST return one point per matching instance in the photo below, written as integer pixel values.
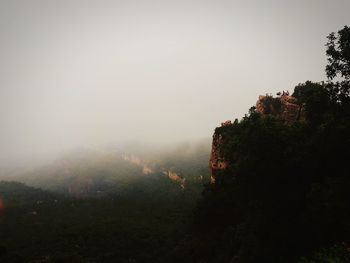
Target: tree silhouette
(338, 68)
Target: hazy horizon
(82, 73)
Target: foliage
(283, 196)
(334, 254)
(285, 191)
(271, 104)
(338, 68)
(138, 218)
(140, 225)
(315, 98)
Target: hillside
(99, 206)
(280, 178)
(276, 191)
(142, 225)
(97, 173)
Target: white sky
(76, 73)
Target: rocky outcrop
(176, 178)
(284, 106)
(216, 161)
(146, 169)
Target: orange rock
(285, 107)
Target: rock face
(216, 161)
(146, 169)
(176, 178)
(284, 107)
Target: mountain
(279, 181)
(284, 108)
(90, 172)
(103, 205)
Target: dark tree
(284, 193)
(338, 68)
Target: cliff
(173, 176)
(217, 161)
(284, 107)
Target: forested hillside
(102, 206)
(281, 191)
(97, 173)
(278, 192)
(142, 224)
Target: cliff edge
(284, 107)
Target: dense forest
(101, 206)
(282, 197)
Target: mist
(103, 73)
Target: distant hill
(89, 172)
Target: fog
(101, 73)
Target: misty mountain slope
(96, 173)
(103, 206)
(281, 180)
(83, 173)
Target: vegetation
(123, 216)
(131, 228)
(284, 196)
(285, 191)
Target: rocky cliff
(217, 161)
(284, 106)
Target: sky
(77, 73)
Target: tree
(284, 192)
(315, 98)
(338, 68)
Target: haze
(90, 73)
